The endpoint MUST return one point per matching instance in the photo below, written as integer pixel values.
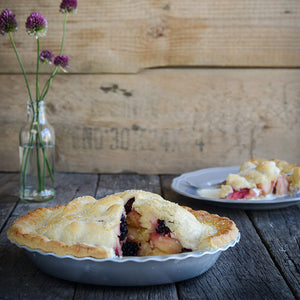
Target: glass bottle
(37, 155)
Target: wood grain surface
(128, 36)
(263, 265)
(161, 121)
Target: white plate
(213, 175)
(127, 271)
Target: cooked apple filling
(262, 178)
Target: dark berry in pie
(128, 205)
(162, 228)
(123, 228)
(186, 250)
(130, 248)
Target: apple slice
(267, 187)
(166, 243)
(133, 219)
(240, 194)
(282, 185)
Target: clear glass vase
(37, 155)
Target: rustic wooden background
(161, 86)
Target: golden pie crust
(87, 227)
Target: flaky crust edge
(226, 228)
(20, 233)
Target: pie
(131, 223)
(262, 178)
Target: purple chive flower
(62, 61)
(36, 24)
(69, 6)
(8, 22)
(47, 56)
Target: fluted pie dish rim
(138, 259)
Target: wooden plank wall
(161, 86)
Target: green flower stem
(28, 150)
(38, 167)
(21, 64)
(48, 83)
(48, 165)
(24, 160)
(37, 69)
(64, 34)
(44, 171)
(37, 144)
(33, 110)
(41, 145)
(46, 161)
(41, 65)
(56, 70)
(23, 179)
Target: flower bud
(47, 56)
(69, 6)
(36, 25)
(8, 22)
(62, 62)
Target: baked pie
(261, 179)
(125, 224)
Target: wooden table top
(263, 265)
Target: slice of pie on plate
(261, 179)
(125, 224)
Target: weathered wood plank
(127, 293)
(239, 273)
(115, 183)
(19, 278)
(9, 191)
(161, 121)
(280, 231)
(126, 36)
